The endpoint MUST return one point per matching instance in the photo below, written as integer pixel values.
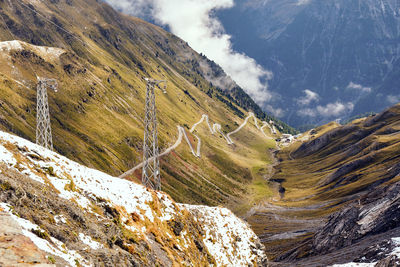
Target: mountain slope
(345, 51)
(102, 57)
(338, 195)
(78, 216)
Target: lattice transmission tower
(151, 166)
(43, 128)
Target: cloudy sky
(309, 105)
(194, 21)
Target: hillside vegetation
(99, 58)
(338, 192)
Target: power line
(87, 45)
(51, 22)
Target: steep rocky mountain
(100, 58)
(346, 53)
(338, 196)
(55, 211)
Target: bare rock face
(15, 248)
(339, 232)
(378, 251)
(374, 214)
(391, 261)
(347, 168)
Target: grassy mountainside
(97, 113)
(336, 168)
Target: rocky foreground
(367, 231)
(57, 212)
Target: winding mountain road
(216, 128)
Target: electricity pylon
(151, 166)
(43, 127)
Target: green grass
(100, 105)
(304, 174)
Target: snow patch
(396, 250)
(354, 264)
(87, 240)
(86, 181)
(60, 219)
(58, 249)
(168, 208)
(7, 157)
(11, 45)
(43, 51)
(227, 237)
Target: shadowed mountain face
(346, 52)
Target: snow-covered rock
(242, 248)
(49, 53)
(150, 217)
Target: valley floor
(336, 197)
(280, 224)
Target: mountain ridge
(97, 113)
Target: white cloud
(329, 111)
(335, 109)
(193, 21)
(133, 7)
(309, 97)
(359, 87)
(256, 3)
(393, 99)
(303, 2)
(277, 112)
(307, 112)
